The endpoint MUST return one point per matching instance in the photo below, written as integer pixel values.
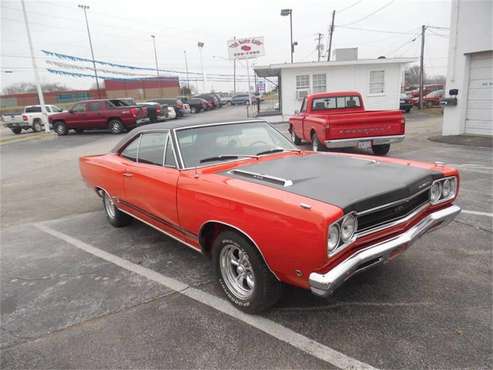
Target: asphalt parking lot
(78, 293)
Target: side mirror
(453, 92)
(71, 111)
(296, 111)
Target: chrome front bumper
(325, 284)
(375, 140)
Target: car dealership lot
(66, 303)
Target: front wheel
(243, 275)
(116, 127)
(381, 149)
(60, 128)
(115, 217)
(37, 127)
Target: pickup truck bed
(339, 120)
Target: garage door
(479, 113)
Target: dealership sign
(246, 48)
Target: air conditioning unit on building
(301, 94)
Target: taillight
(24, 117)
(158, 109)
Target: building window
(302, 86)
(319, 82)
(377, 82)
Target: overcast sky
(121, 32)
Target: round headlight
(334, 237)
(446, 188)
(348, 227)
(435, 192)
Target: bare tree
(27, 87)
(411, 76)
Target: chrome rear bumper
(325, 284)
(376, 140)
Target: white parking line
(486, 214)
(272, 328)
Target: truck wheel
(60, 128)
(115, 217)
(242, 273)
(16, 130)
(316, 144)
(37, 127)
(115, 126)
(381, 149)
(295, 139)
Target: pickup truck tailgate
(365, 124)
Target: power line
(349, 7)
(373, 30)
(372, 13)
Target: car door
(151, 178)
(95, 117)
(77, 116)
(299, 120)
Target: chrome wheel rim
(293, 136)
(237, 272)
(315, 144)
(37, 126)
(59, 129)
(109, 206)
(115, 127)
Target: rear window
(33, 110)
(333, 102)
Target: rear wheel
(16, 130)
(381, 149)
(242, 273)
(60, 128)
(115, 217)
(115, 126)
(316, 144)
(37, 126)
(295, 139)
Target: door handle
(128, 174)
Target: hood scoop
(262, 177)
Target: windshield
(232, 140)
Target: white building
(470, 69)
(378, 80)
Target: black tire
(115, 217)
(267, 289)
(60, 128)
(408, 110)
(116, 126)
(16, 130)
(37, 125)
(317, 146)
(294, 138)
(79, 131)
(380, 149)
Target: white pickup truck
(31, 118)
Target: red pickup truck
(339, 120)
(98, 114)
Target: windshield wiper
(226, 157)
(278, 150)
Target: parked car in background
(339, 120)
(196, 104)
(96, 115)
(155, 111)
(225, 99)
(266, 212)
(31, 118)
(212, 100)
(242, 99)
(129, 102)
(426, 89)
(433, 98)
(176, 103)
(405, 103)
(171, 113)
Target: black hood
(353, 184)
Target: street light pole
(155, 53)
(36, 73)
(201, 46)
(186, 70)
(285, 12)
(84, 8)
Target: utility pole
(421, 67)
(155, 53)
(36, 73)
(331, 33)
(319, 46)
(186, 71)
(234, 73)
(200, 45)
(285, 12)
(84, 8)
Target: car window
(131, 151)
(33, 110)
(96, 106)
(169, 160)
(54, 108)
(151, 149)
(81, 107)
(339, 102)
(303, 105)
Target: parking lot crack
(477, 227)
